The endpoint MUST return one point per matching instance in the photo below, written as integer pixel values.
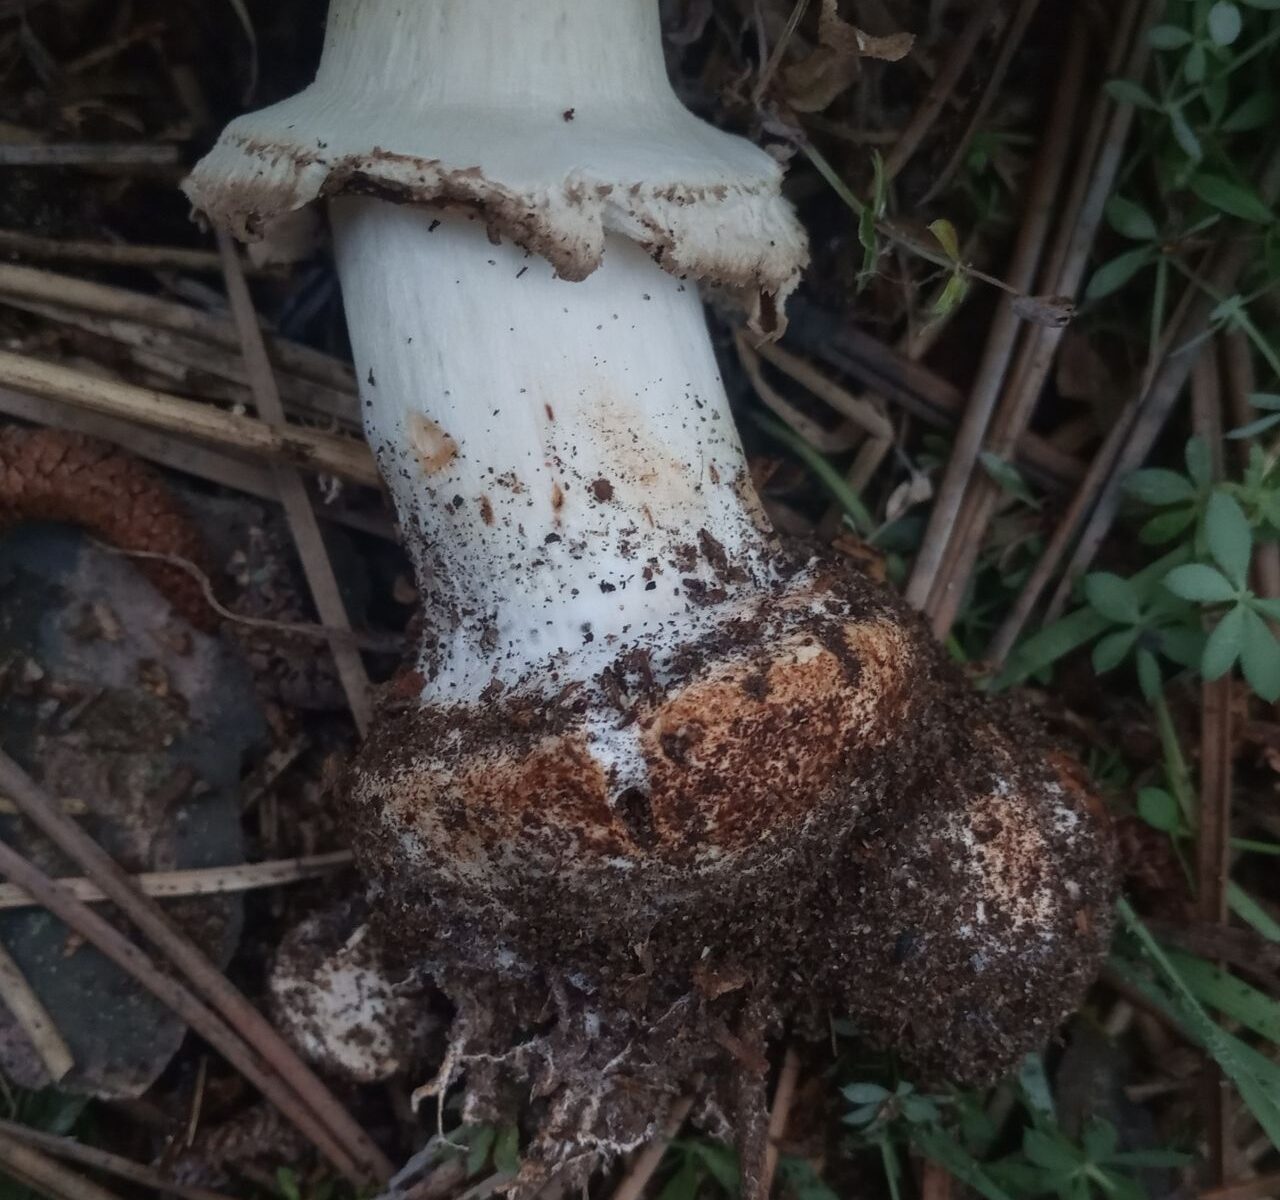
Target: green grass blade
(1258, 1088)
(1252, 913)
(1232, 997)
(936, 1144)
(827, 475)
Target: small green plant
(1213, 87)
(1241, 633)
(293, 1188)
(484, 1146)
(1049, 1163)
(1200, 610)
(695, 1162)
(955, 1132)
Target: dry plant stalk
(28, 1165)
(102, 1160)
(304, 525)
(306, 448)
(198, 881)
(33, 1019)
(211, 1005)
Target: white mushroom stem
(562, 455)
(480, 53)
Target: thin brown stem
(33, 1019)
(307, 448)
(958, 58)
(387, 644)
(103, 1160)
(1016, 31)
(648, 1160)
(1094, 179)
(41, 1172)
(113, 254)
(1213, 834)
(783, 1095)
(911, 386)
(198, 881)
(121, 951)
(178, 453)
(1095, 480)
(50, 287)
(298, 509)
(1241, 383)
(1007, 325)
(189, 364)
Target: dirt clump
(815, 816)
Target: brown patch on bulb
(433, 448)
(737, 756)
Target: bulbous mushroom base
(625, 884)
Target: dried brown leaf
(813, 83)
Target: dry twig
(116, 947)
(198, 881)
(306, 448)
(910, 385)
(783, 1095)
(33, 1019)
(30, 1166)
(1016, 31)
(854, 408)
(284, 1078)
(189, 364)
(1098, 162)
(1101, 468)
(49, 287)
(1241, 381)
(961, 51)
(822, 439)
(1007, 326)
(298, 508)
(112, 254)
(1213, 835)
(1230, 259)
(103, 1160)
(179, 454)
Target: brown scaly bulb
(655, 788)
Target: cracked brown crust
(50, 475)
(739, 751)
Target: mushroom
(656, 783)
